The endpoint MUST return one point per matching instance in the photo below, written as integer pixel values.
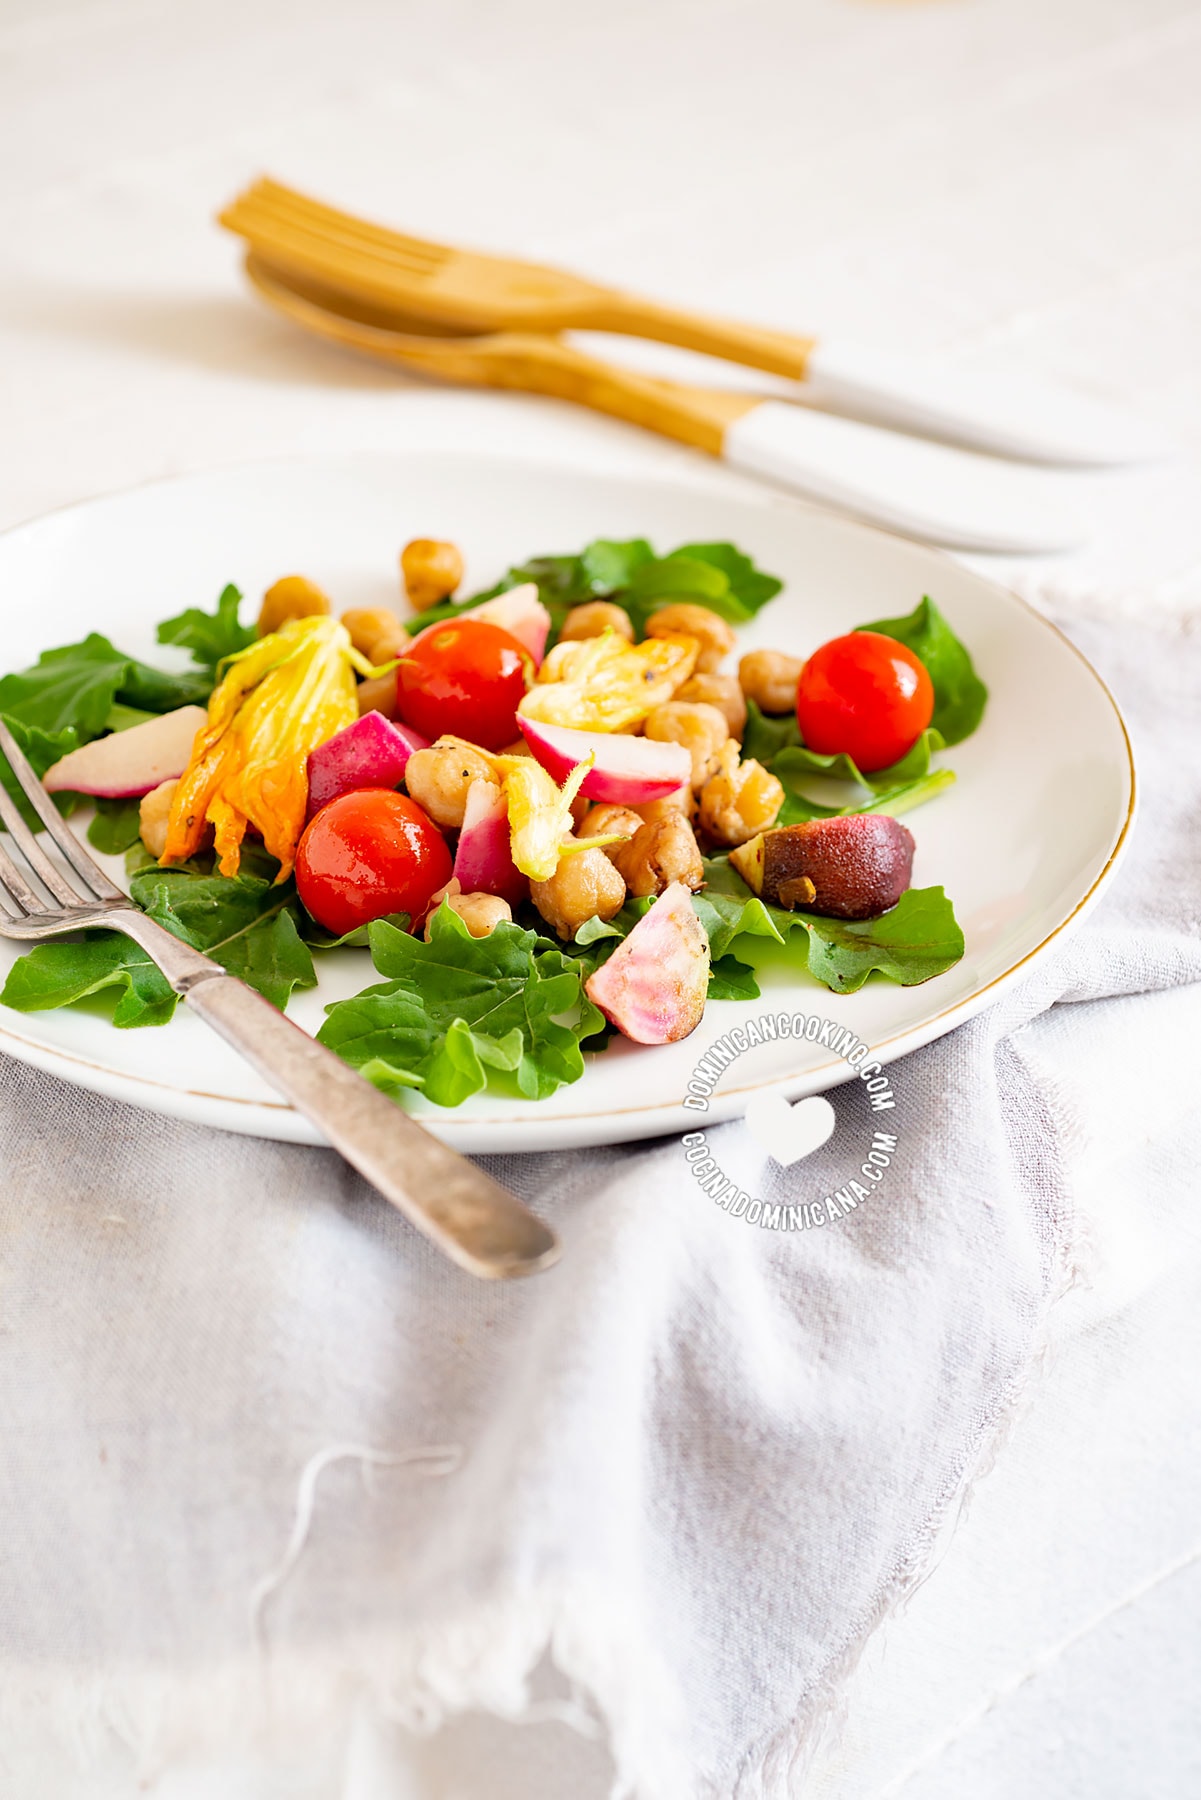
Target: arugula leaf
(731, 980)
(318, 938)
(959, 694)
(77, 686)
(72, 687)
(748, 588)
(210, 637)
(919, 938)
(155, 691)
(124, 718)
(776, 743)
(115, 827)
(607, 565)
(796, 760)
(459, 1006)
(62, 973)
(629, 573)
(718, 576)
(42, 749)
(906, 784)
(766, 734)
(916, 940)
(244, 922)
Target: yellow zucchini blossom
(605, 684)
(277, 700)
(540, 821)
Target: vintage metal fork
(467, 1214)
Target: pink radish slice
(373, 752)
(484, 858)
(630, 771)
(653, 987)
(521, 614)
(128, 764)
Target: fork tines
(280, 221)
(84, 884)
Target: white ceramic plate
(1023, 844)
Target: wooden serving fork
(475, 293)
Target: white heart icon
(790, 1133)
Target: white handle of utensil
(923, 490)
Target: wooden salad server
(462, 290)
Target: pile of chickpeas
(727, 801)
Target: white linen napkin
(278, 1483)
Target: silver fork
(468, 1215)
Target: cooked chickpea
(378, 694)
(659, 854)
(721, 691)
(701, 729)
(375, 632)
(292, 597)
(682, 802)
(740, 800)
(595, 617)
(481, 913)
(431, 571)
(603, 821)
(585, 883)
(438, 779)
(153, 815)
(715, 637)
(769, 678)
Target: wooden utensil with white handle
(465, 291)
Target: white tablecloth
(1012, 182)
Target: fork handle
(467, 1214)
(778, 352)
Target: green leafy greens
(629, 573)
(42, 749)
(76, 687)
(115, 826)
(210, 637)
(459, 1009)
(916, 940)
(101, 962)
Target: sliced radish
(484, 858)
(128, 764)
(653, 987)
(371, 753)
(631, 771)
(519, 612)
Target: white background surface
(1013, 182)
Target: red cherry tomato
(465, 678)
(867, 695)
(370, 853)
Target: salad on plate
(560, 811)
